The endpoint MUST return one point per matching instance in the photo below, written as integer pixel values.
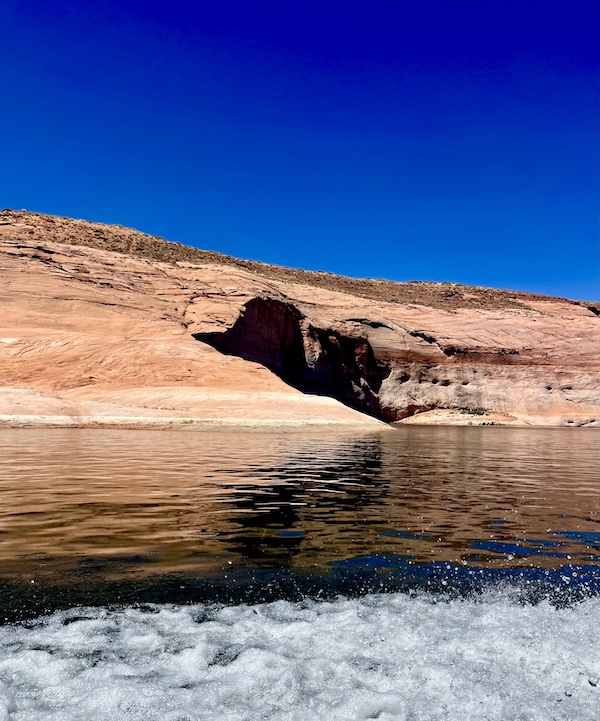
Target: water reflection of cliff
(452, 495)
(319, 490)
(115, 502)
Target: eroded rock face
(88, 325)
(323, 361)
(522, 362)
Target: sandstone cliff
(102, 324)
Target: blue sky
(411, 141)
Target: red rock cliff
(96, 314)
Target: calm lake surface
(425, 573)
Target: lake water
(425, 573)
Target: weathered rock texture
(101, 323)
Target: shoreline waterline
(368, 424)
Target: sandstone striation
(103, 325)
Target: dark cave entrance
(271, 332)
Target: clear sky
(425, 140)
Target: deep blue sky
(421, 140)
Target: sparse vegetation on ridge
(32, 227)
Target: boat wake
(382, 656)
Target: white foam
(384, 657)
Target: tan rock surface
(90, 335)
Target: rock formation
(104, 324)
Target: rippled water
(485, 542)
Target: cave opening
(319, 361)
